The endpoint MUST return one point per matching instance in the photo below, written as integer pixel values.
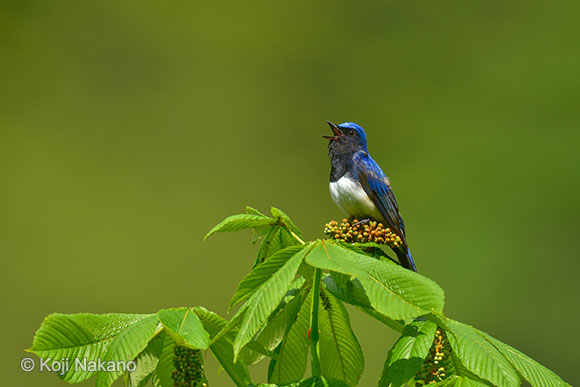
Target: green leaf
(293, 357)
(273, 361)
(315, 381)
(359, 247)
(342, 287)
(459, 381)
(253, 211)
(262, 273)
(285, 219)
(341, 356)
(265, 300)
(184, 326)
(479, 356)
(222, 348)
(371, 249)
(398, 293)
(233, 325)
(329, 256)
(351, 292)
(456, 368)
(240, 222)
(146, 362)
(260, 231)
(79, 336)
(297, 288)
(125, 347)
(162, 375)
(276, 238)
(270, 244)
(321, 382)
(278, 326)
(408, 353)
(309, 382)
(530, 370)
(396, 325)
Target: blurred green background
(128, 129)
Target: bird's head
(348, 137)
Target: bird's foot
(361, 222)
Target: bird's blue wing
(377, 187)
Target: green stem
(293, 233)
(314, 335)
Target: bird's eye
(351, 132)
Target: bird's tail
(406, 259)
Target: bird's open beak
(336, 130)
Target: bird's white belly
(351, 197)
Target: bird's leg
(361, 222)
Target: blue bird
(359, 186)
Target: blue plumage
(360, 187)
